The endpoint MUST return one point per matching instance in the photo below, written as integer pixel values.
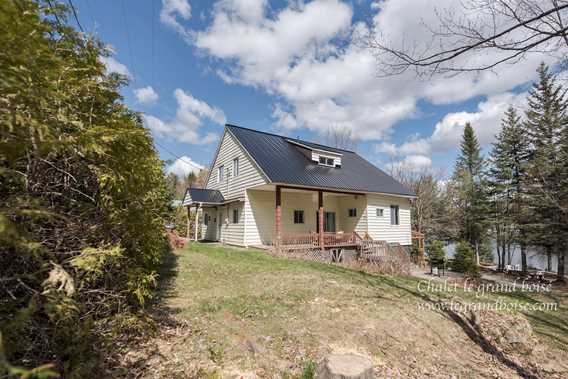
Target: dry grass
(228, 313)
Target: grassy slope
(247, 311)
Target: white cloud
(188, 119)
(183, 166)
(171, 9)
(112, 65)
(309, 56)
(146, 95)
(412, 163)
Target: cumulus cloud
(112, 65)
(183, 166)
(189, 116)
(146, 95)
(171, 10)
(309, 55)
(447, 134)
(412, 163)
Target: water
(536, 259)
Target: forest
(516, 195)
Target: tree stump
(345, 366)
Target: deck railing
(304, 240)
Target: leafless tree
(341, 138)
(479, 35)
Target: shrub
(82, 190)
(464, 259)
(436, 253)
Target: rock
(345, 366)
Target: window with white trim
(394, 215)
(236, 216)
(236, 167)
(221, 174)
(352, 212)
(326, 161)
(298, 216)
(380, 212)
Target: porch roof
(282, 162)
(203, 195)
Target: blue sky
(294, 68)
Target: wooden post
(188, 221)
(196, 220)
(321, 220)
(278, 216)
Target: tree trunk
(499, 265)
(549, 258)
(560, 270)
(477, 252)
(523, 257)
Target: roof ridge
(289, 138)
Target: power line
(128, 37)
(75, 15)
(173, 154)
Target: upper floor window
(235, 167)
(394, 215)
(352, 212)
(298, 217)
(327, 161)
(221, 174)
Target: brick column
(321, 220)
(278, 216)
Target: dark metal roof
(202, 195)
(283, 162)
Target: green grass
(249, 310)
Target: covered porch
(308, 217)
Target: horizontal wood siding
(249, 175)
(232, 233)
(358, 223)
(380, 228)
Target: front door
(219, 224)
(329, 222)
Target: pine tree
(470, 198)
(509, 158)
(546, 123)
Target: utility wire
(70, 2)
(128, 37)
(173, 154)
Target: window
(352, 212)
(221, 174)
(235, 167)
(327, 161)
(394, 215)
(298, 217)
(206, 219)
(379, 212)
(235, 216)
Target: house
(265, 189)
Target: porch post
(320, 217)
(278, 216)
(188, 220)
(196, 220)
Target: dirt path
(232, 313)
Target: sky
(296, 68)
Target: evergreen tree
(546, 123)
(509, 158)
(468, 187)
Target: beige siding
(259, 214)
(209, 232)
(358, 223)
(231, 233)
(380, 228)
(249, 175)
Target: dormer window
(326, 161)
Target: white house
(265, 189)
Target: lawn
(227, 312)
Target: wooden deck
(300, 241)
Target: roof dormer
(319, 156)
